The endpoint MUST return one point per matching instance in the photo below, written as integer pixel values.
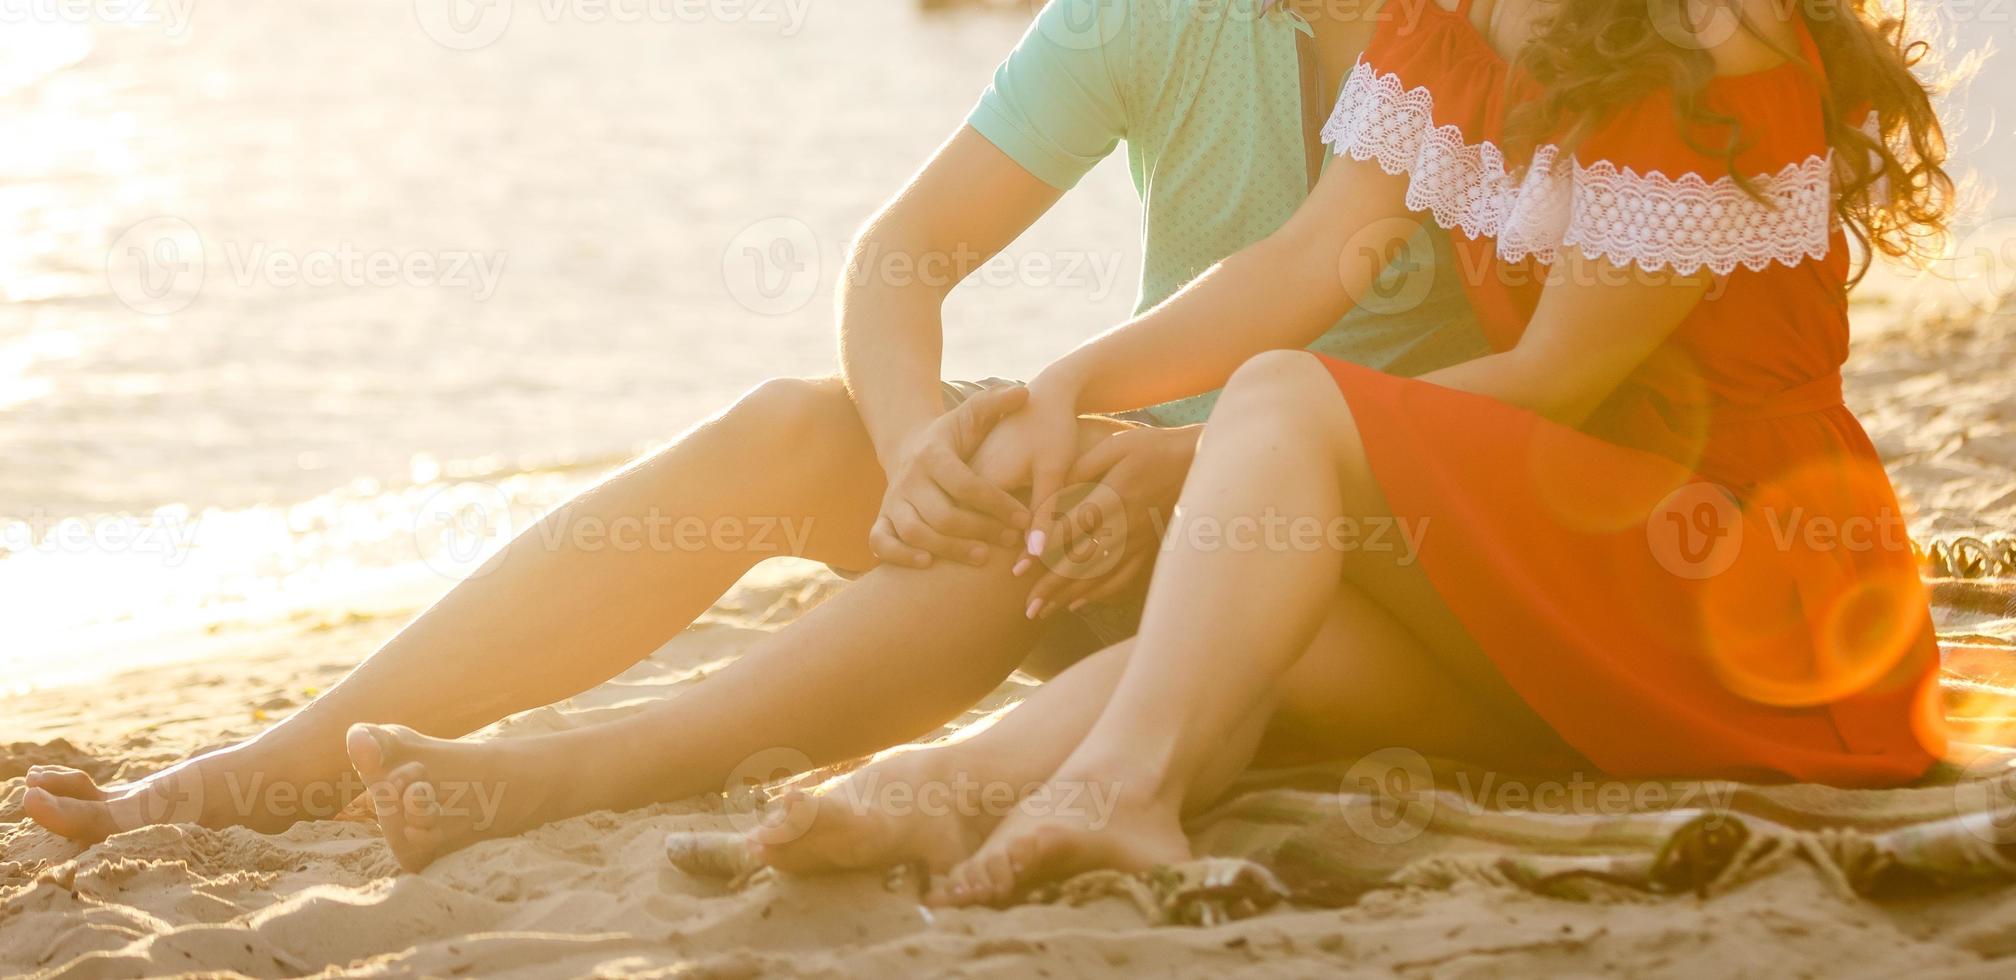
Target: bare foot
(1076, 822)
(235, 786)
(433, 796)
(913, 807)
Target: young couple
(1609, 384)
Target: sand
(594, 895)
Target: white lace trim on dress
(1649, 219)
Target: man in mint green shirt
(886, 469)
(1210, 102)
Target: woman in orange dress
(1644, 536)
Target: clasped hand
(1098, 495)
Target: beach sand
(595, 895)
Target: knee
(800, 414)
(1275, 387)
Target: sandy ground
(594, 895)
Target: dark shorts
(1067, 636)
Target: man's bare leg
(889, 659)
(548, 621)
(893, 657)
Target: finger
(884, 544)
(913, 530)
(1103, 577)
(1083, 558)
(1097, 522)
(973, 492)
(1125, 575)
(1047, 482)
(977, 416)
(1076, 594)
(1096, 461)
(967, 532)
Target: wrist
(1062, 383)
(896, 442)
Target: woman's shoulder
(1742, 36)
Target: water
(273, 275)
(588, 234)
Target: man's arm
(967, 204)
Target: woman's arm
(1282, 291)
(1596, 322)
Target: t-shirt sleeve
(1056, 104)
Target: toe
(65, 781)
(416, 795)
(1024, 856)
(946, 889)
(969, 881)
(367, 753)
(81, 820)
(788, 818)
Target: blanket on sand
(1324, 835)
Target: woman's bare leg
(1356, 689)
(549, 622)
(1225, 624)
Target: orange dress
(1711, 576)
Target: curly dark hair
(1893, 193)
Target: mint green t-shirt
(1207, 97)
